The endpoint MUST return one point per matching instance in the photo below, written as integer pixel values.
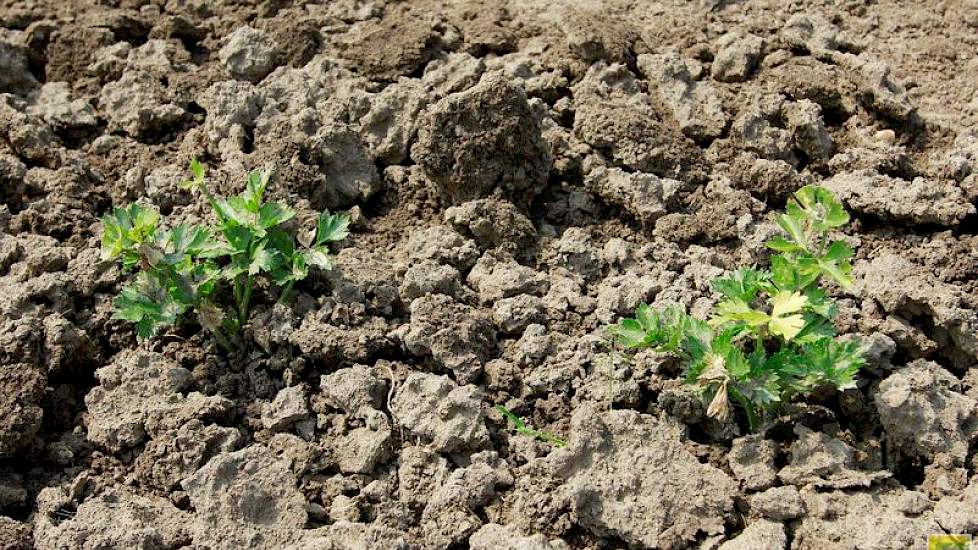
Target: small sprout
(125, 230)
(770, 337)
(182, 269)
(522, 428)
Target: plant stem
(245, 299)
(222, 340)
(236, 289)
(284, 296)
(752, 420)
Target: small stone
(361, 450)
(288, 408)
(778, 503)
(760, 535)
(496, 278)
(512, 315)
(437, 409)
(924, 413)
(752, 462)
(249, 54)
(344, 508)
(737, 56)
(886, 136)
(15, 77)
(429, 277)
(138, 104)
(353, 388)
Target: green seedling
(523, 429)
(184, 269)
(770, 337)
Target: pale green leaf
(262, 260)
(787, 327)
(318, 257)
(784, 303)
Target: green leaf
(838, 251)
(238, 211)
(794, 227)
(816, 328)
(197, 169)
(197, 173)
(784, 321)
(743, 284)
(646, 317)
(235, 268)
(780, 244)
(331, 228)
(821, 207)
(262, 260)
(628, 333)
(124, 230)
(837, 272)
(255, 190)
(194, 241)
(523, 429)
(238, 237)
(835, 263)
(784, 273)
(281, 241)
(318, 257)
(300, 269)
(784, 303)
(147, 303)
(511, 416)
(819, 302)
(830, 362)
(665, 331)
(273, 214)
(808, 270)
(736, 311)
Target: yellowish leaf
(787, 327)
(784, 303)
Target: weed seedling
(184, 269)
(771, 337)
(522, 428)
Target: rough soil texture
(521, 174)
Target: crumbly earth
(521, 174)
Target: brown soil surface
(521, 174)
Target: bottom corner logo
(949, 542)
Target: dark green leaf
(273, 214)
(331, 228)
(742, 284)
(238, 237)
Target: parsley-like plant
(770, 337)
(184, 268)
(523, 429)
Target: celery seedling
(771, 337)
(522, 428)
(181, 268)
